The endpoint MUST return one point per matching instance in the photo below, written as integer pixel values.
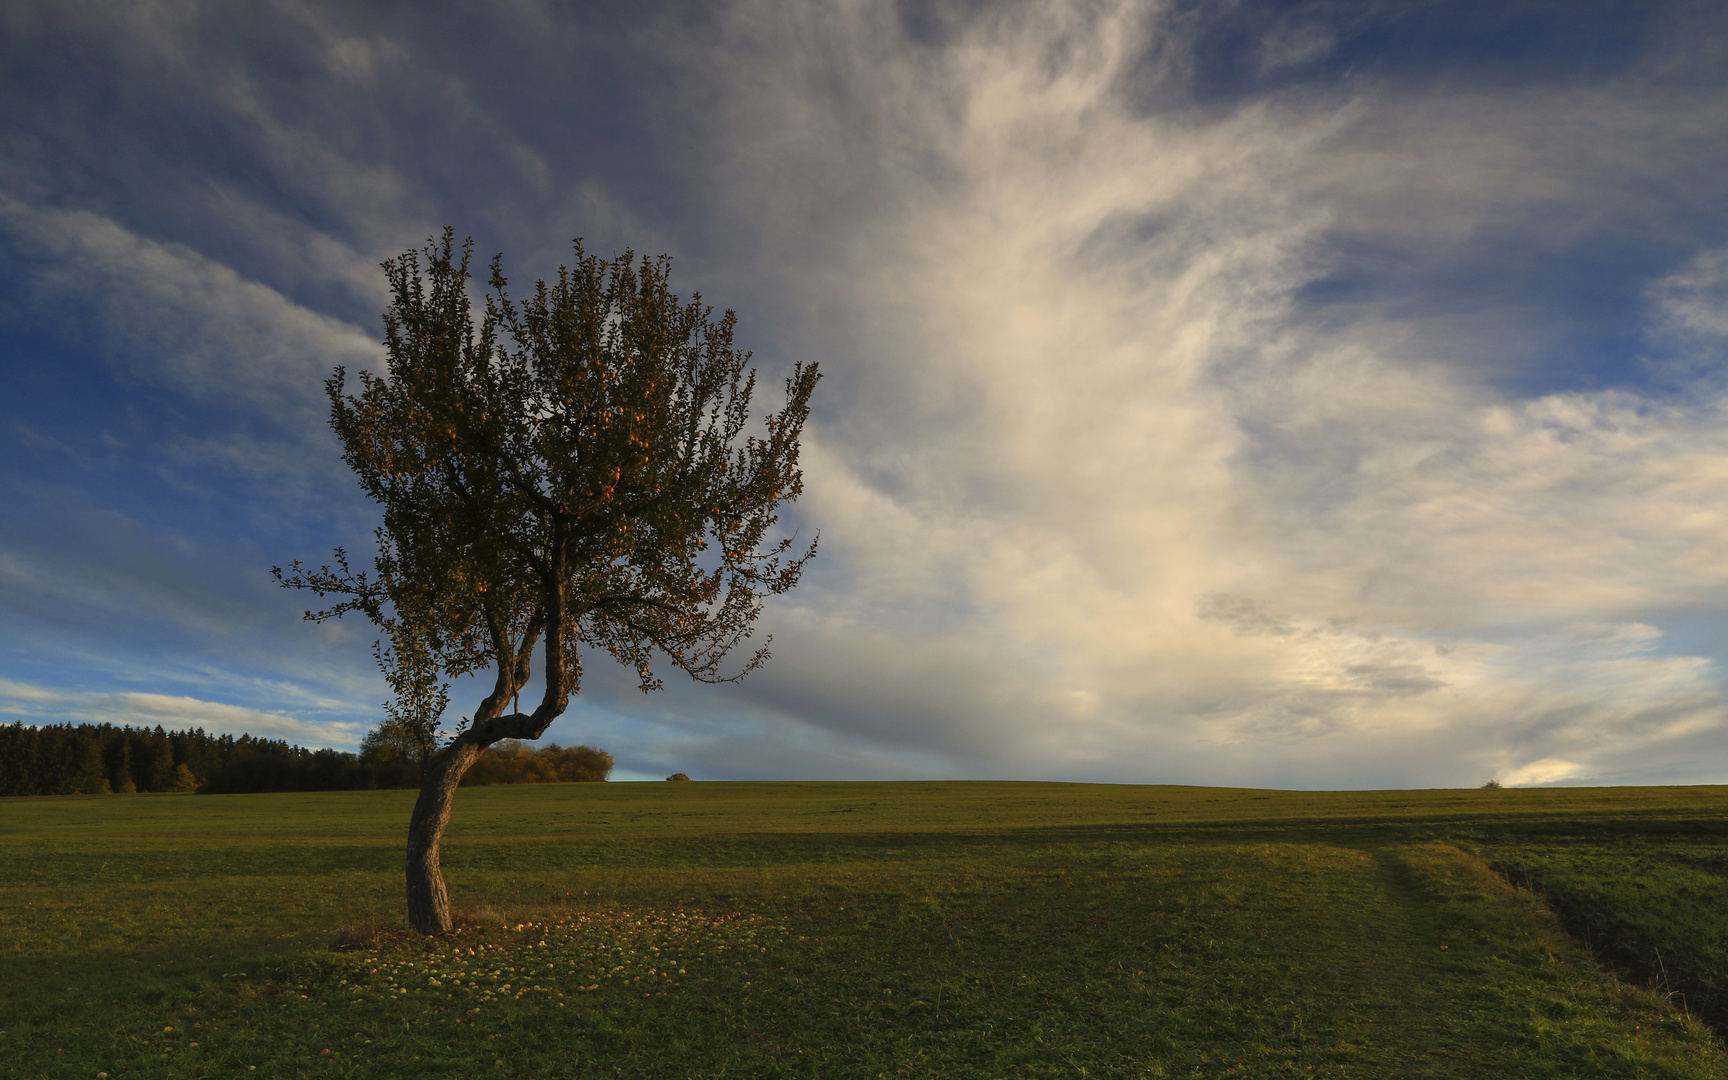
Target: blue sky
(1293, 394)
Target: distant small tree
(393, 756)
(389, 745)
(572, 472)
(157, 773)
(677, 776)
(180, 779)
(1491, 785)
(118, 759)
(84, 772)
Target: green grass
(843, 930)
(1653, 906)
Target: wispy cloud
(173, 316)
(1080, 394)
(36, 704)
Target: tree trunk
(428, 899)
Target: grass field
(868, 930)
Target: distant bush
(512, 762)
(677, 776)
(1491, 785)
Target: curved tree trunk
(428, 899)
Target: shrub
(513, 762)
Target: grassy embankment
(841, 930)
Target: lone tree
(574, 472)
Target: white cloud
(177, 318)
(1689, 320)
(1546, 771)
(1074, 402)
(43, 705)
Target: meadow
(871, 930)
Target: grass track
(964, 929)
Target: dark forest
(101, 759)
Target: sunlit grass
(821, 931)
(579, 952)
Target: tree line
(100, 759)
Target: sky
(1309, 395)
